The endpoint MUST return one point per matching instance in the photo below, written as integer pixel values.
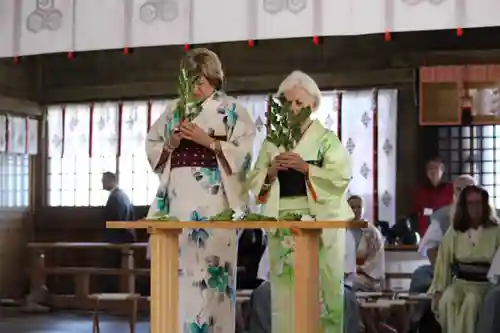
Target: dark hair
(355, 197)
(110, 175)
(462, 220)
(436, 159)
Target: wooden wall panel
(14, 234)
(16, 89)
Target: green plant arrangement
(284, 126)
(231, 215)
(161, 216)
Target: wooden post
(306, 286)
(164, 280)
(82, 281)
(127, 281)
(37, 276)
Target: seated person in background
(464, 257)
(260, 316)
(370, 258)
(118, 208)
(431, 195)
(440, 222)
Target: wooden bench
(379, 307)
(39, 271)
(81, 299)
(98, 299)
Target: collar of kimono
(213, 98)
(309, 139)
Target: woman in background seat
(370, 257)
(463, 261)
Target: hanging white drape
(256, 106)
(357, 137)
(387, 134)
(328, 111)
(105, 129)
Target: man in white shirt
(260, 317)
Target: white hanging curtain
(256, 105)
(328, 112)
(76, 130)
(105, 129)
(157, 108)
(387, 134)
(357, 136)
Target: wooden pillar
(164, 280)
(127, 281)
(37, 276)
(306, 284)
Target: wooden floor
(64, 323)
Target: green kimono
(458, 308)
(326, 188)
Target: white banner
(45, 26)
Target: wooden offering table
(164, 265)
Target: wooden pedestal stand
(164, 266)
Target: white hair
(304, 81)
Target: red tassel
(187, 47)
(126, 50)
(251, 43)
(16, 60)
(316, 40)
(460, 32)
(387, 36)
(70, 55)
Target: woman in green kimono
(463, 261)
(311, 179)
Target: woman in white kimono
(463, 261)
(310, 180)
(201, 165)
(370, 252)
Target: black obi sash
(293, 182)
(191, 154)
(475, 271)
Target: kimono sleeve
(334, 174)
(236, 153)
(442, 270)
(257, 176)
(156, 139)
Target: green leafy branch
(187, 107)
(228, 215)
(284, 125)
(161, 216)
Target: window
(85, 140)
(14, 180)
(136, 176)
(473, 150)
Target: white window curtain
(357, 136)
(328, 112)
(387, 135)
(256, 105)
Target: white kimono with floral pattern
(207, 256)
